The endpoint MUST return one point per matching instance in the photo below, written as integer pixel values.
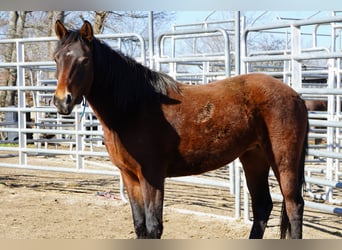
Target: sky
(261, 16)
(191, 16)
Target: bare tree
(121, 22)
(136, 22)
(16, 29)
(99, 21)
(53, 16)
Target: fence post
(79, 139)
(238, 42)
(296, 65)
(21, 103)
(237, 190)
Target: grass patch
(8, 144)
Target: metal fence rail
(213, 64)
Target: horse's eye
(56, 57)
(83, 60)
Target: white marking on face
(70, 53)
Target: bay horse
(155, 127)
(316, 105)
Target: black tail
(285, 225)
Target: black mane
(129, 82)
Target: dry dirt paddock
(51, 205)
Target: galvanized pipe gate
(47, 134)
(296, 69)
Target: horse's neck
(109, 116)
(100, 108)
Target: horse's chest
(117, 152)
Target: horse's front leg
(133, 188)
(146, 203)
(153, 195)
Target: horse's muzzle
(64, 106)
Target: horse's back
(271, 97)
(219, 121)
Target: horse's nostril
(68, 99)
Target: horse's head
(74, 61)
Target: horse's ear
(87, 31)
(60, 30)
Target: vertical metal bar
(159, 51)
(243, 66)
(122, 190)
(227, 54)
(295, 51)
(246, 216)
(338, 112)
(330, 130)
(237, 191)
(314, 36)
(151, 39)
(336, 40)
(173, 67)
(79, 141)
(331, 114)
(21, 102)
(205, 70)
(237, 42)
(232, 178)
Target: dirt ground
(52, 205)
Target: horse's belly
(198, 161)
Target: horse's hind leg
(256, 170)
(293, 204)
(288, 167)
